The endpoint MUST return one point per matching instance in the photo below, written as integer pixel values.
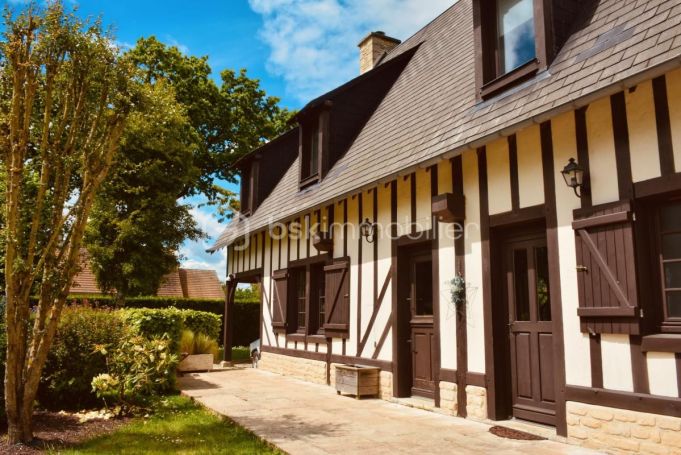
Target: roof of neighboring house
(181, 283)
(201, 284)
(431, 112)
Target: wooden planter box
(196, 362)
(357, 380)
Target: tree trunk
(20, 426)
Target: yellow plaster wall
(602, 163)
(475, 319)
(643, 145)
(674, 100)
(662, 374)
(384, 270)
(616, 354)
(447, 272)
(498, 176)
(576, 343)
(530, 181)
(423, 201)
(403, 206)
(367, 263)
(338, 230)
(353, 236)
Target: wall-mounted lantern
(368, 230)
(573, 174)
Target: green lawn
(178, 426)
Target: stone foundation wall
(305, 369)
(385, 385)
(315, 371)
(621, 431)
(448, 398)
(476, 402)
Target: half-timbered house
(491, 214)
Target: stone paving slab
(304, 418)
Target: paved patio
(304, 418)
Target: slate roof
(431, 111)
(181, 283)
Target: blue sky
(298, 49)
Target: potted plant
(198, 352)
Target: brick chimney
(372, 48)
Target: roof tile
(431, 109)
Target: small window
(318, 296)
(249, 186)
(515, 34)
(512, 50)
(300, 299)
(245, 198)
(669, 241)
(310, 159)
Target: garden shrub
(152, 323)
(201, 322)
(73, 359)
(138, 367)
(198, 343)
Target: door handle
(582, 268)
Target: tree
(64, 97)
(186, 139)
(231, 119)
(137, 223)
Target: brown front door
(530, 329)
(421, 322)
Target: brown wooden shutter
(279, 299)
(606, 269)
(337, 309)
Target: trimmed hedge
(201, 322)
(215, 306)
(246, 310)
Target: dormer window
(249, 187)
(514, 40)
(314, 146)
(515, 34)
(310, 159)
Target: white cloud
(313, 43)
(194, 252)
(173, 42)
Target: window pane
(543, 300)
(522, 298)
(515, 33)
(424, 288)
(300, 294)
(670, 218)
(671, 246)
(321, 289)
(674, 304)
(314, 152)
(672, 275)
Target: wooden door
(421, 322)
(530, 329)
